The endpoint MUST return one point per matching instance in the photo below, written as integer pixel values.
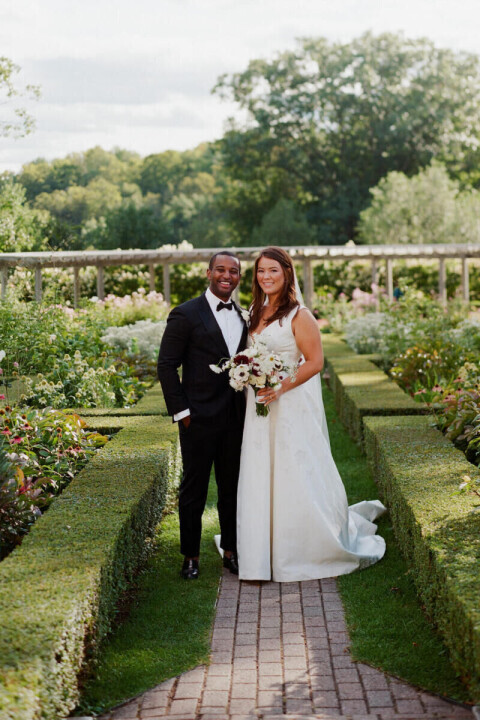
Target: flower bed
(432, 354)
(40, 452)
(59, 588)
(86, 358)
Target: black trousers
(204, 446)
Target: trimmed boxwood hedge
(418, 471)
(59, 589)
(361, 388)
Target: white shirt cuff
(181, 415)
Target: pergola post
(442, 281)
(465, 280)
(76, 286)
(151, 277)
(166, 282)
(4, 280)
(389, 277)
(100, 283)
(38, 284)
(374, 271)
(308, 283)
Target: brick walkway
(282, 650)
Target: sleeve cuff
(181, 415)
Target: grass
(165, 630)
(388, 628)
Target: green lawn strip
(167, 629)
(387, 626)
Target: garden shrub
(58, 590)
(419, 473)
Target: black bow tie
(224, 306)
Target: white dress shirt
(231, 325)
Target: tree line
(376, 140)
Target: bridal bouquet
(256, 366)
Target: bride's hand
(268, 395)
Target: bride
(293, 520)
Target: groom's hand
(186, 421)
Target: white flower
(240, 373)
(258, 380)
(267, 363)
(215, 369)
(2, 354)
(245, 315)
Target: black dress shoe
(189, 569)
(231, 563)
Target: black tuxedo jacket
(193, 340)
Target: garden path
(280, 650)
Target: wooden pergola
(306, 256)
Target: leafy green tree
(119, 167)
(14, 121)
(285, 224)
(427, 208)
(129, 226)
(328, 120)
(161, 173)
(21, 228)
(77, 204)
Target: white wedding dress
(293, 519)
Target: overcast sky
(138, 73)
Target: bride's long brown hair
(288, 297)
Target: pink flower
(16, 440)
(6, 432)
(15, 364)
(420, 392)
(2, 397)
(437, 388)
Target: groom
(209, 412)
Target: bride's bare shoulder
(303, 319)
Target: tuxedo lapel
(211, 325)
